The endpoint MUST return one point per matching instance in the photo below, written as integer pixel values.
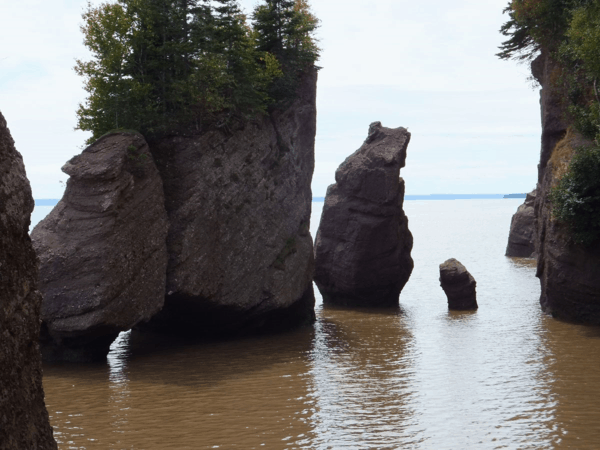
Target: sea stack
(459, 286)
(24, 420)
(363, 245)
(521, 239)
(102, 249)
(239, 203)
(568, 272)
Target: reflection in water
(571, 355)
(504, 376)
(361, 373)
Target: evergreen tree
(285, 28)
(166, 66)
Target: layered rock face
(521, 239)
(568, 272)
(24, 420)
(459, 285)
(239, 203)
(363, 245)
(102, 249)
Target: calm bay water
(504, 377)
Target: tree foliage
(576, 197)
(161, 66)
(284, 28)
(569, 31)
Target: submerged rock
(568, 273)
(24, 422)
(363, 245)
(521, 239)
(102, 249)
(239, 203)
(459, 285)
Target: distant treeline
(164, 66)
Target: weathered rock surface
(102, 249)
(459, 285)
(521, 239)
(24, 420)
(239, 202)
(568, 272)
(363, 245)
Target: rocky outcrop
(239, 203)
(459, 286)
(363, 245)
(102, 249)
(521, 240)
(568, 272)
(24, 420)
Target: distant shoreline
(53, 201)
(450, 197)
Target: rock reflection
(119, 401)
(571, 353)
(362, 379)
(506, 376)
(160, 393)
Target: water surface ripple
(418, 377)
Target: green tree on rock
(285, 29)
(171, 66)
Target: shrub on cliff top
(576, 197)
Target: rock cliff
(24, 420)
(521, 239)
(239, 203)
(102, 249)
(568, 272)
(363, 245)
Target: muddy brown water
(419, 377)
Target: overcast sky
(426, 65)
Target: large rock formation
(102, 249)
(23, 417)
(521, 239)
(363, 244)
(568, 272)
(459, 285)
(239, 203)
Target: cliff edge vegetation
(166, 67)
(562, 40)
(567, 32)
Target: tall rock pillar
(363, 244)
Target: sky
(429, 66)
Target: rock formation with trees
(562, 39)
(229, 113)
